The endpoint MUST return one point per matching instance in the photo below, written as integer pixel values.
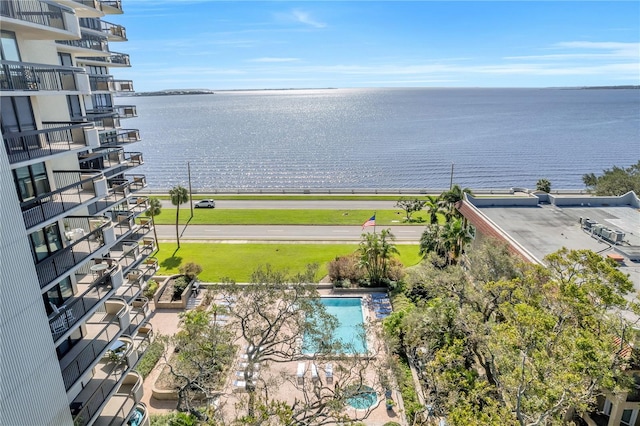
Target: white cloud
(305, 18)
(273, 60)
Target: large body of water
(385, 138)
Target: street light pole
(190, 193)
(451, 180)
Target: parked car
(206, 204)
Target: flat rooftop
(546, 228)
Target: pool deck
(165, 321)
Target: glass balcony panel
(74, 189)
(35, 12)
(101, 330)
(126, 111)
(85, 236)
(22, 76)
(119, 137)
(122, 402)
(51, 140)
(89, 42)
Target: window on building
(45, 242)
(16, 113)
(57, 295)
(628, 417)
(9, 46)
(102, 102)
(75, 110)
(65, 59)
(31, 181)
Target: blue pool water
(348, 311)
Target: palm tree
(179, 195)
(450, 198)
(432, 206)
(375, 252)
(155, 208)
(456, 234)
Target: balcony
(101, 83)
(139, 314)
(55, 139)
(123, 402)
(86, 236)
(113, 32)
(73, 311)
(84, 8)
(132, 286)
(29, 77)
(114, 60)
(111, 7)
(140, 205)
(124, 85)
(143, 338)
(98, 45)
(126, 111)
(119, 137)
(136, 182)
(38, 20)
(105, 121)
(74, 189)
(101, 330)
(117, 194)
(131, 254)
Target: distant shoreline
(177, 92)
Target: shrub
(391, 424)
(346, 268)
(152, 287)
(191, 270)
(179, 284)
(150, 358)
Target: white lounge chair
(302, 368)
(328, 371)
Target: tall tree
(450, 198)
(375, 254)
(433, 207)
(179, 195)
(499, 344)
(614, 181)
(155, 208)
(410, 206)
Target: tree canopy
(501, 342)
(614, 181)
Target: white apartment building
(75, 245)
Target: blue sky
(222, 45)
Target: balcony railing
(133, 254)
(74, 189)
(88, 41)
(140, 313)
(124, 85)
(67, 258)
(114, 59)
(115, 4)
(35, 12)
(107, 332)
(126, 111)
(119, 137)
(72, 311)
(102, 83)
(116, 194)
(37, 77)
(116, 32)
(103, 159)
(23, 146)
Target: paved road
(297, 233)
(294, 204)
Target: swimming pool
(348, 311)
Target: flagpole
(374, 222)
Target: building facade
(75, 245)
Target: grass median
(238, 261)
(284, 217)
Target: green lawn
(301, 197)
(238, 261)
(284, 217)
